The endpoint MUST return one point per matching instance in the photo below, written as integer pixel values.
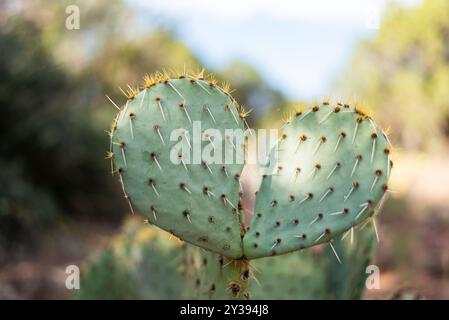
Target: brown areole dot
(291, 198)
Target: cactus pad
(333, 164)
(158, 145)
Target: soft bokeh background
(58, 202)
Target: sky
(298, 47)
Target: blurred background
(58, 202)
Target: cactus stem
(176, 90)
(357, 159)
(210, 113)
(337, 165)
(335, 252)
(113, 103)
(157, 128)
(342, 135)
(329, 190)
(143, 98)
(159, 104)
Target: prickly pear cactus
(213, 276)
(347, 276)
(169, 159)
(297, 275)
(317, 273)
(140, 263)
(332, 169)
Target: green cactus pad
(332, 169)
(214, 277)
(195, 200)
(317, 274)
(140, 263)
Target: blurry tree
(252, 90)
(53, 83)
(403, 74)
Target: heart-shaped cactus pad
(332, 167)
(174, 168)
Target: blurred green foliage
(403, 74)
(53, 83)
